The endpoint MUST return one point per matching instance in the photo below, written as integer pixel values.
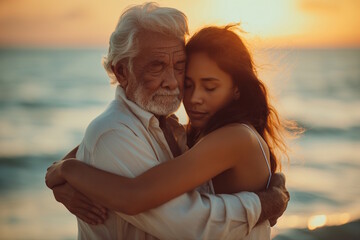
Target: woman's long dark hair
(227, 49)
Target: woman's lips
(196, 115)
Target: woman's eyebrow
(209, 79)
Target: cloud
(319, 6)
(75, 14)
(38, 13)
(328, 6)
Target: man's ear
(122, 74)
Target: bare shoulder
(249, 141)
(235, 136)
(233, 132)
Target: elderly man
(147, 59)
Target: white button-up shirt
(127, 140)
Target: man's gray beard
(162, 102)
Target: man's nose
(169, 79)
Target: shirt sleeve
(189, 216)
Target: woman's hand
(53, 176)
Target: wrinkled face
(207, 89)
(156, 84)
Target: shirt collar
(144, 116)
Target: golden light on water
(344, 218)
(331, 219)
(317, 221)
(292, 221)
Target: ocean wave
(49, 104)
(22, 172)
(28, 161)
(311, 197)
(351, 133)
(321, 112)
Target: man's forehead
(176, 52)
(156, 43)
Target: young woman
(234, 134)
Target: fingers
(85, 219)
(277, 180)
(100, 207)
(88, 211)
(274, 201)
(89, 206)
(95, 211)
(87, 216)
(48, 183)
(283, 194)
(52, 165)
(287, 194)
(82, 202)
(79, 204)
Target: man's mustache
(164, 92)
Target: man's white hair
(124, 46)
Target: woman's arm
(216, 153)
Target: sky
(275, 23)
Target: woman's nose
(196, 97)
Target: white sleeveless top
(261, 231)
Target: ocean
(49, 96)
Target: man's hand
(79, 205)
(274, 201)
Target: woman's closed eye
(210, 87)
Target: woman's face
(207, 89)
